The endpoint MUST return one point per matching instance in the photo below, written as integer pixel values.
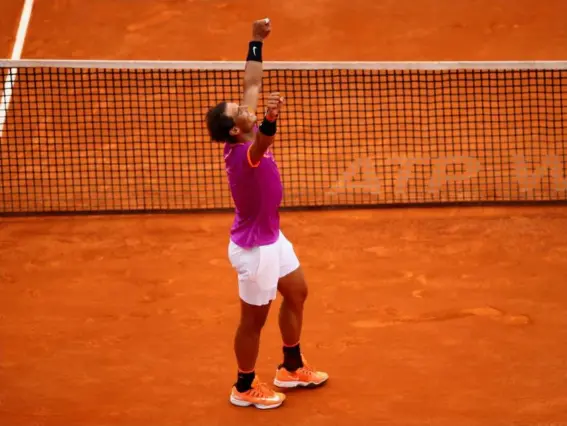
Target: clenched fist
(273, 106)
(261, 29)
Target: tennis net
(90, 136)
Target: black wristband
(268, 127)
(255, 51)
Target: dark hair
(219, 124)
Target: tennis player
(262, 256)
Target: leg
(293, 287)
(248, 390)
(257, 287)
(247, 339)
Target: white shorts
(260, 268)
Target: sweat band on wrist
(255, 51)
(268, 127)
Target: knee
(298, 296)
(252, 322)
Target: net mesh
(127, 139)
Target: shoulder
(236, 151)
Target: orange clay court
(449, 316)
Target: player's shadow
(301, 388)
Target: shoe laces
(260, 390)
(307, 368)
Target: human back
(257, 194)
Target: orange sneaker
(305, 376)
(260, 396)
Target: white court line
(10, 80)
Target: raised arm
(253, 71)
(252, 87)
(265, 136)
